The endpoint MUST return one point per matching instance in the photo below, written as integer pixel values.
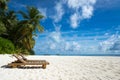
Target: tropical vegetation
(18, 33)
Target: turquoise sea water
(80, 54)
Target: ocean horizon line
(79, 54)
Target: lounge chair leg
(44, 66)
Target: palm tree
(7, 19)
(3, 8)
(33, 17)
(3, 4)
(28, 26)
(20, 32)
(10, 22)
(2, 27)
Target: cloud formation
(55, 41)
(111, 44)
(81, 9)
(58, 42)
(87, 12)
(59, 12)
(74, 19)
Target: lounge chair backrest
(19, 59)
(23, 57)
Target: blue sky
(76, 26)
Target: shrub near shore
(6, 46)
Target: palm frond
(40, 28)
(24, 14)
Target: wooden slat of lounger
(23, 64)
(31, 63)
(37, 61)
(34, 60)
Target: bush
(6, 46)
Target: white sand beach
(64, 68)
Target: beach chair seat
(21, 63)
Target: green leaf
(24, 14)
(40, 28)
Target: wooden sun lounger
(24, 58)
(20, 62)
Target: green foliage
(30, 24)
(31, 52)
(15, 33)
(21, 50)
(3, 4)
(6, 46)
(2, 28)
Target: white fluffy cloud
(76, 4)
(59, 12)
(56, 36)
(57, 41)
(83, 7)
(111, 44)
(74, 20)
(87, 12)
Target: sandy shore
(64, 68)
